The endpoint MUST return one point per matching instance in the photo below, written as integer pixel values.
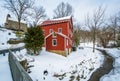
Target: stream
(104, 69)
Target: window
(50, 30)
(54, 35)
(54, 42)
(60, 30)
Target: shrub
(19, 34)
(34, 40)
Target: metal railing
(17, 71)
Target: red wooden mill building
(58, 35)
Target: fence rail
(3, 51)
(17, 71)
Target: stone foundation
(60, 52)
(63, 53)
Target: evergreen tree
(34, 40)
(76, 38)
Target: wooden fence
(17, 71)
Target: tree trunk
(114, 36)
(94, 40)
(115, 30)
(35, 50)
(93, 45)
(19, 25)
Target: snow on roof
(55, 21)
(13, 19)
(63, 18)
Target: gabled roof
(55, 21)
(58, 34)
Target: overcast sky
(81, 7)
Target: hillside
(5, 35)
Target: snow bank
(5, 74)
(5, 36)
(63, 18)
(83, 62)
(114, 75)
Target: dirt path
(105, 69)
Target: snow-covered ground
(114, 75)
(81, 63)
(5, 35)
(5, 74)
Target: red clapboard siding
(64, 39)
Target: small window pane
(60, 30)
(54, 42)
(51, 31)
(54, 35)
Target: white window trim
(54, 35)
(53, 43)
(50, 30)
(59, 29)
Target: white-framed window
(54, 35)
(50, 31)
(54, 42)
(59, 30)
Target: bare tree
(62, 10)
(95, 22)
(38, 14)
(81, 34)
(85, 35)
(105, 35)
(119, 21)
(114, 20)
(18, 8)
